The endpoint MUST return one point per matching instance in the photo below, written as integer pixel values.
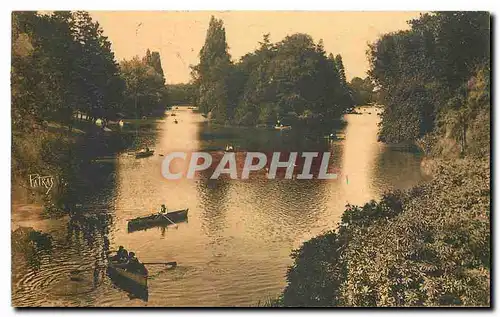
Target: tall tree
(211, 75)
(153, 60)
(340, 68)
(156, 64)
(101, 85)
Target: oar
(173, 263)
(169, 220)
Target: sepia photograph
(258, 159)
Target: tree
(290, 80)
(362, 91)
(61, 65)
(100, 84)
(26, 108)
(145, 91)
(181, 93)
(340, 68)
(156, 64)
(212, 74)
(257, 90)
(153, 60)
(439, 54)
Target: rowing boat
(157, 220)
(134, 283)
(120, 271)
(283, 127)
(141, 154)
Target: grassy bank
(54, 150)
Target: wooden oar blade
(172, 264)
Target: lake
(234, 249)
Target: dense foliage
(428, 246)
(64, 78)
(425, 72)
(291, 77)
(181, 94)
(362, 91)
(145, 91)
(61, 63)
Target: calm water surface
(234, 250)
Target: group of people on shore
(129, 260)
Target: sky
(179, 35)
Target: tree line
(294, 77)
(429, 74)
(63, 65)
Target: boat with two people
(128, 273)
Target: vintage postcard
(250, 159)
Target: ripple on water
(56, 278)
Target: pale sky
(179, 35)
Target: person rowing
(162, 213)
(163, 209)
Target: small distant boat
(283, 127)
(175, 121)
(337, 136)
(157, 219)
(229, 148)
(173, 115)
(144, 153)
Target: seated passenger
(121, 255)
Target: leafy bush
(428, 246)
